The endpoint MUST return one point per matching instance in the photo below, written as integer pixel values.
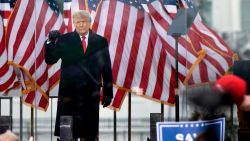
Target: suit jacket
(82, 75)
(78, 69)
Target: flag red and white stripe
(219, 57)
(201, 58)
(5, 11)
(28, 27)
(66, 11)
(8, 78)
(137, 54)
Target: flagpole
(32, 122)
(162, 112)
(129, 116)
(21, 119)
(115, 137)
(177, 114)
(180, 26)
(51, 119)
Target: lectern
(180, 26)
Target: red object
(233, 85)
(84, 44)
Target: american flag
(7, 74)
(66, 11)
(219, 57)
(137, 54)
(28, 26)
(203, 56)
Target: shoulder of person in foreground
(245, 105)
(227, 90)
(8, 136)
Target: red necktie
(84, 44)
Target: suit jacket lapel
(76, 40)
(91, 40)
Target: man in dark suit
(83, 73)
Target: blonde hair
(82, 13)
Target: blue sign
(188, 131)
